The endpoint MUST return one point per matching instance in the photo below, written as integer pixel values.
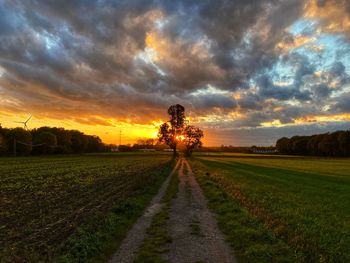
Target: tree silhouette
(166, 135)
(312, 144)
(169, 131)
(177, 117)
(46, 142)
(3, 143)
(344, 143)
(328, 144)
(282, 145)
(19, 141)
(299, 144)
(175, 129)
(193, 136)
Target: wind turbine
(24, 122)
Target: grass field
(297, 206)
(60, 208)
(78, 208)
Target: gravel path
(128, 249)
(193, 228)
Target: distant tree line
(230, 148)
(141, 144)
(47, 140)
(328, 144)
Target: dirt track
(192, 227)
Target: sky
(247, 71)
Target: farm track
(189, 207)
(192, 227)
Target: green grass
(327, 166)
(251, 239)
(154, 245)
(70, 208)
(303, 203)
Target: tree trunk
(174, 151)
(188, 153)
(14, 147)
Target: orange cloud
(308, 119)
(323, 118)
(297, 41)
(332, 14)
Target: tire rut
(130, 245)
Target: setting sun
(180, 138)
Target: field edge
(250, 238)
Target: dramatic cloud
(232, 64)
(333, 14)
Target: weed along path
(177, 227)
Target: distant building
(257, 150)
(114, 149)
(147, 150)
